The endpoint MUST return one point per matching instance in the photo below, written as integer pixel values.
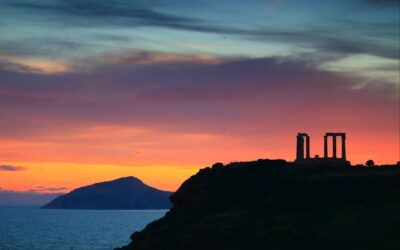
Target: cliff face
(278, 205)
(123, 193)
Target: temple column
(325, 146)
(334, 147)
(300, 148)
(344, 147)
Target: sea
(24, 228)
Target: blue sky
(77, 30)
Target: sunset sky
(95, 90)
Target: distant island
(280, 205)
(123, 193)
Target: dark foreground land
(278, 205)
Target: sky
(95, 90)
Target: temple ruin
(303, 149)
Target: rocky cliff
(273, 204)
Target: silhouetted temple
(303, 149)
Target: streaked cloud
(31, 65)
(371, 68)
(384, 3)
(145, 57)
(143, 19)
(10, 168)
(43, 189)
(102, 13)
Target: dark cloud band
(11, 168)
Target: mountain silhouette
(278, 205)
(123, 193)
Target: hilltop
(123, 193)
(274, 204)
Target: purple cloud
(41, 189)
(246, 99)
(166, 96)
(11, 168)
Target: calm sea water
(42, 229)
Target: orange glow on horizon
(163, 160)
(162, 175)
(73, 175)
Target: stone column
(334, 147)
(307, 147)
(300, 148)
(325, 146)
(344, 147)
